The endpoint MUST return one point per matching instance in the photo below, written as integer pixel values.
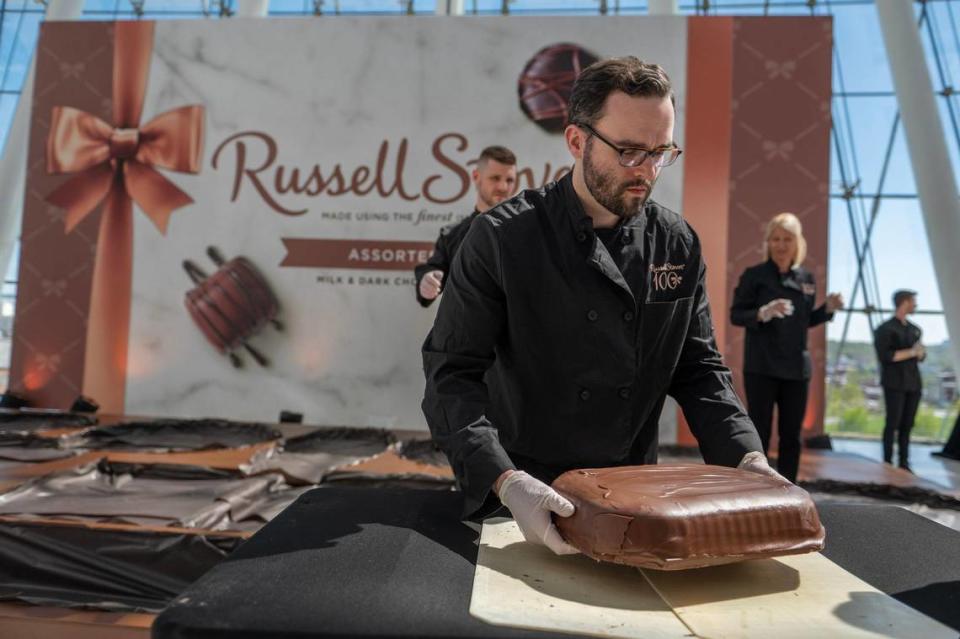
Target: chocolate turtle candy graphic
(232, 305)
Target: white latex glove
(531, 501)
(756, 462)
(777, 309)
(430, 285)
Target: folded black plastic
(424, 451)
(40, 450)
(40, 419)
(177, 434)
(27, 440)
(308, 459)
(341, 440)
(20, 428)
(909, 494)
(151, 495)
(166, 471)
(389, 480)
(103, 569)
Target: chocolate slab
(678, 516)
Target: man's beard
(608, 193)
(490, 200)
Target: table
(343, 562)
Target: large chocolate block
(677, 516)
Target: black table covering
(74, 567)
(354, 562)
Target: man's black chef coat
(546, 356)
(777, 348)
(443, 252)
(888, 338)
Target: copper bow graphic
(123, 159)
(116, 165)
(48, 362)
(776, 69)
(773, 149)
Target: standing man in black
(495, 178)
(900, 351)
(572, 311)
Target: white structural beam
(252, 8)
(926, 144)
(13, 163)
(663, 7)
(449, 8)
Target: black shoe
(907, 468)
(946, 455)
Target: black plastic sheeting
(20, 428)
(167, 471)
(342, 440)
(103, 569)
(38, 419)
(389, 481)
(424, 451)
(308, 459)
(155, 496)
(908, 494)
(177, 434)
(40, 451)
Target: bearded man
(572, 311)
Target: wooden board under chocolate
(795, 597)
(522, 585)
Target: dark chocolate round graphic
(546, 82)
(231, 306)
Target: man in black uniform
(899, 350)
(572, 311)
(495, 178)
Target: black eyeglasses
(632, 157)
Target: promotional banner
(222, 218)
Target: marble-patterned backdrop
(329, 92)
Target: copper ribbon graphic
(114, 165)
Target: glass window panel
(952, 132)
(100, 6)
(869, 123)
(8, 286)
(8, 105)
(286, 7)
(900, 176)
(21, 40)
(862, 58)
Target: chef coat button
(584, 394)
(581, 236)
(624, 393)
(625, 238)
(628, 316)
(592, 315)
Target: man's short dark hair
(628, 74)
(501, 154)
(901, 296)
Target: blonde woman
(775, 302)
